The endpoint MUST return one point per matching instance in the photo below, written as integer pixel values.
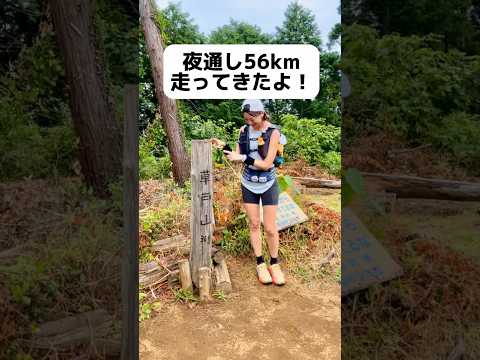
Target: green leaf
(284, 182)
(355, 180)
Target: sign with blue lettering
(364, 260)
(288, 212)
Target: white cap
(252, 105)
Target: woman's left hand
(233, 156)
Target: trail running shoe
(278, 278)
(263, 274)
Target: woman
(257, 149)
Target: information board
(288, 212)
(364, 260)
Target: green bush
(331, 161)
(403, 85)
(197, 128)
(313, 141)
(236, 239)
(150, 166)
(459, 135)
(36, 135)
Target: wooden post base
(204, 282)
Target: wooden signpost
(202, 212)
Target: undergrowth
(66, 267)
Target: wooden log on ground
(319, 191)
(204, 281)
(318, 183)
(178, 241)
(156, 275)
(153, 278)
(222, 277)
(95, 328)
(184, 274)
(147, 267)
(91, 318)
(423, 188)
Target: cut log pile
(153, 273)
(177, 273)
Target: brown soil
(297, 321)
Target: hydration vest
(263, 144)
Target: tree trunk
(422, 188)
(91, 107)
(168, 107)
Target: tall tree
(91, 106)
(334, 36)
(299, 27)
(176, 27)
(168, 107)
(239, 33)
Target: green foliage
(459, 135)
(157, 222)
(220, 295)
(152, 167)
(327, 102)
(331, 162)
(177, 27)
(203, 119)
(154, 161)
(299, 27)
(146, 308)
(401, 84)
(236, 239)
(239, 33)
(117, 39)
(184, 296)
(36, 137)
(198, 128)
(456, 21)
(227, 111)
(313, 141)
(335, 35)
(31, 151)
(57, 267)
(285, 182)
(412, 88)
(352, 186)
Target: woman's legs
(271, 231)
(253, 214)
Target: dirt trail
(297, 321)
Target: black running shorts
(269, 197)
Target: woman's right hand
(234, 156)
(219, 144)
